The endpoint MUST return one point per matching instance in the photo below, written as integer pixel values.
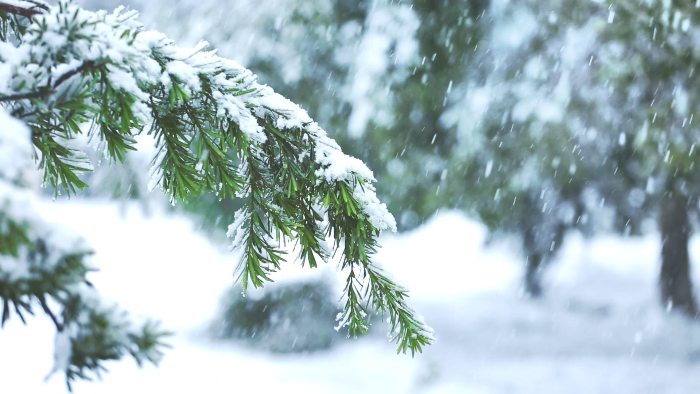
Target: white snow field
(598, 330)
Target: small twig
(48, 311)
(48, 92)
(64, 77)
(30, 95)
(26, 12)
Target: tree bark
(674, 277)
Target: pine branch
(208, 115)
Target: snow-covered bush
(285, 318)
(216, 130)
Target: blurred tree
(647, 59)
(607, 115)
(412, 150)
(521, 125)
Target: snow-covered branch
(216, 130)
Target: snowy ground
(598, 331)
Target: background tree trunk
(540, 245)
(674, 278)
(533, 264)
